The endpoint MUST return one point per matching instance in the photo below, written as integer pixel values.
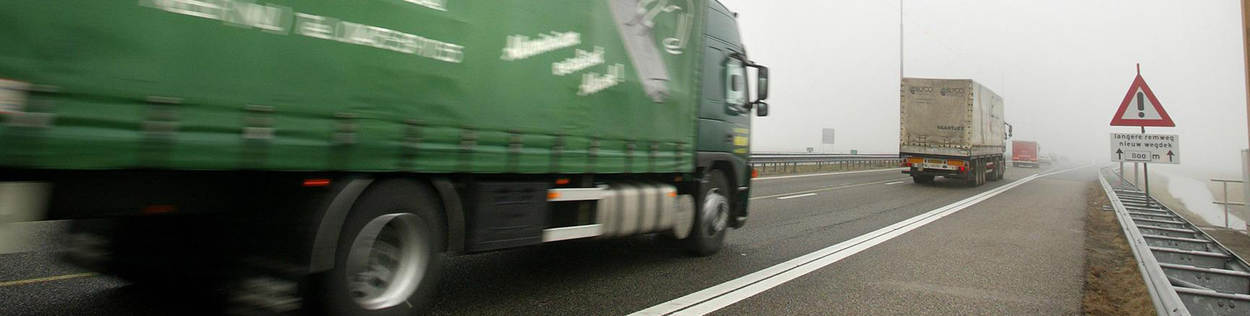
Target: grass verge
(1113, 285)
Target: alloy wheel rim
(386, 261)
(715, 213)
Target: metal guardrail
(1186, 271)
(789, 162)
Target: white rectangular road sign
(826, 136)
(1152, 148)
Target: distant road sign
(1140, 107)
(1152, 148)
(826, 136)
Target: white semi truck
(951, 128)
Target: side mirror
(761, 83)
(761, 108)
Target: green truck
(335, 152)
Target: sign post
(1141, 108)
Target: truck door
(724, 119)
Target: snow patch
(1198, 199)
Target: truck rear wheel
(983, 172)
(712, 218)
(922, 179)
(976, 173)
(999, 170)
(389, 255)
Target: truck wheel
(982, 172)
(389, 255)
(922, 179)
(1000, 170)
(974, 173)
(984, 175)
(712, 219)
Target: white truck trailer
(951, 128)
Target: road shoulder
(1021, 252)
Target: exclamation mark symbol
(1141, 105)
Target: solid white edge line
(796, 196)
(895, 182)
(733, 291)
(825, 174)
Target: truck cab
(725, 106)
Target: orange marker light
(552, 195)
(316, 182)
(562, 181)
(672, 194)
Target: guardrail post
(1225, 204)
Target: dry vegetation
(1113, 285)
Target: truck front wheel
(712, 218)
(389, 255)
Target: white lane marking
(721, 295)
(796, 196)
(829, 188)
(895, 182)
(824, 174)
(46, 279)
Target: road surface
(1015, 252)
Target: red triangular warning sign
(1141, 108)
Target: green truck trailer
(334, 152)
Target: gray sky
(1063, 66)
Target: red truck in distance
(1024, 153)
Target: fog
(1063, 68)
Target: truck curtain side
(339, 151)
(951, 128)
(413, 86)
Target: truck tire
(1000, 169)
(984, 173)
(922, 179)
(971, 180)
(976, 173)
(389, 255)
(712, 218)
(992, 175)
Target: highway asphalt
(1017, 252)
